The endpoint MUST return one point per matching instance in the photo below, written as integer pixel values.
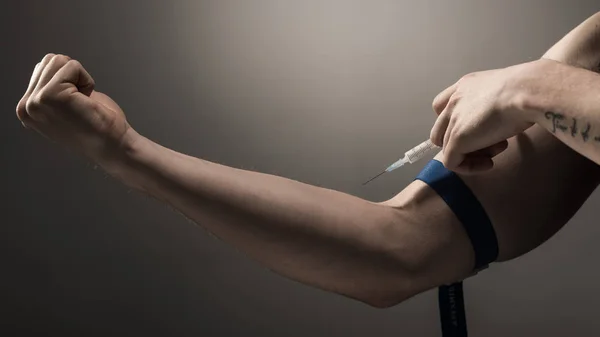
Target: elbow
(382, 304)
(378, 293)
(386, 302)
(387, 295)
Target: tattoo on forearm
(586, 134)
(574, 128)
(558, 119)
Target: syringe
(411, 156)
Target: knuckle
(433, 135)
(44, 97)
(61, 58)
(31, 106)
(458, 139)
(74, 63)
(21, 112)
(453, 101)
(35, 102)
(48, 57)
(435, 138)
(437, 104)
(54, 59)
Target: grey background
(327, 92)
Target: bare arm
(580, 47)
(566, 101)
(378, 253)
(314, 235)
(564, 97)
(536, 185)
(381, 253)
(480, 111)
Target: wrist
(528, 95)
(122, 160)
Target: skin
(377, 253)
(482, 110)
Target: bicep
(535, 187)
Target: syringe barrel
(420, 151)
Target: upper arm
(535, 187)
(580, 47)
(534, 190)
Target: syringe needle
(410, 156)
(375, 177)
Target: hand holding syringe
(411, 156)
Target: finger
(55, 64)
(491, 151)
(74, 73)
(438, 130)
(21, 104)
(441, 100)
(477, 164)
(26, 121)
(453, 156)
(33, 80)
(39, 71)
(448, 111)
(32, 84)
(481, 160)
(449, 132)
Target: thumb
(74, 73)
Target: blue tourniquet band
(478, 226)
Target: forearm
(317, 236)
(566, 101)
(555, 99)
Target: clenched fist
(61, 104)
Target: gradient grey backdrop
(323, 91)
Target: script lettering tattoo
(556, 118)
(586, 134)
(574, 128)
